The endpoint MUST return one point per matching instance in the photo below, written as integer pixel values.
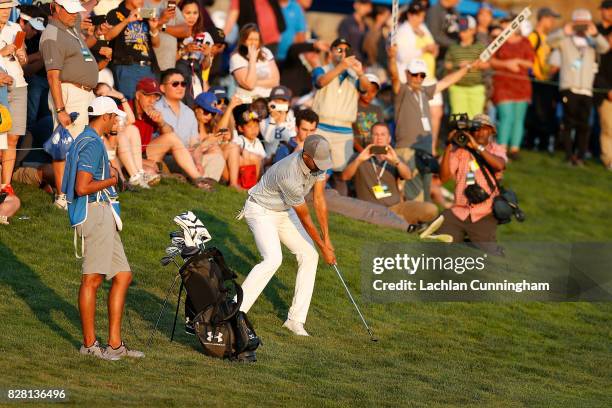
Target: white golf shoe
(295, 327)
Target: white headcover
(194, 232)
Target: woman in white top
(252, 65)
(12, 59)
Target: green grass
(429, 354)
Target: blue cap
(208, 102)
(219, 92)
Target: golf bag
(222, 329)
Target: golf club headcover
(194, 232)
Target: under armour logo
(218, 337)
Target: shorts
(341, 145)
(18, 106)
(102, 248)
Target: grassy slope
(429, 354)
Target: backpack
(222, 329)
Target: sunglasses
(420, 75)
(222, 102)
(175, 84)
(342, 50)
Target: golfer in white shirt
(277, 212)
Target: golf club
(372, 338)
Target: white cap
(8, 4)
(373, 79)
(417, 66)
(38, 23)
(71, 6)
(102, 105)
(581, 14)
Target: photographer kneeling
(471, 215)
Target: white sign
(503, 37)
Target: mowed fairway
(428, 354)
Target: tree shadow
(41, 299)
(241, 259)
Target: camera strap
(486, 170)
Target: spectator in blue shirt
(295, 31)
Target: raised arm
(393, 71)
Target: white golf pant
(270, 228)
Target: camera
(279, 107)
(148, 12)
(463, 125)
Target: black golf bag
(223, 330)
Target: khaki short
(102, 248)
(341, 146)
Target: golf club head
(176, 234)
(188, 252)
(178, 242)
(166, 260)
(172, 251)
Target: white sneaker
(60, 202)
(137, 180)
(433, 227)
(295, 327)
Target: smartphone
(19, 39)
(279, 107)
(349, 53)
(147, 12)
(223, 130)
(171, 4)
(378, 149)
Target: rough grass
(429, 354)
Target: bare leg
(231, 153)
(87, 306)
(116, 303)
(10, 206)
(436, 118)
(169, 142)
(124, 151)
(8, 159)
(58, 174)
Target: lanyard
(382, 170)
(72, 32)
(419, 98)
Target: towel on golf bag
(221, 328)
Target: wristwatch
(63, 109)
(481, 148)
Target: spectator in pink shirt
(464, 219)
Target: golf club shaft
(353, 300)
(162, 309)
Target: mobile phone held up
(171, 4)
(148, 12)
(378, 149)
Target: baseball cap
(37, 23)
(205, 38)
(219, 92)
(373, 79)
(102, 105)
(208, 102)
(340, 41)
(8, 3)
(547, 12)
(318, 148)
(417, 66)
(581, 14)
(148, 86)
(416, 8)
(217, 35)
(484, 120)
(71, 6)
(466, 23)
(280, 92)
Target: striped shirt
(285, 184)
(458, 53)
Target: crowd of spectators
(219, 100)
